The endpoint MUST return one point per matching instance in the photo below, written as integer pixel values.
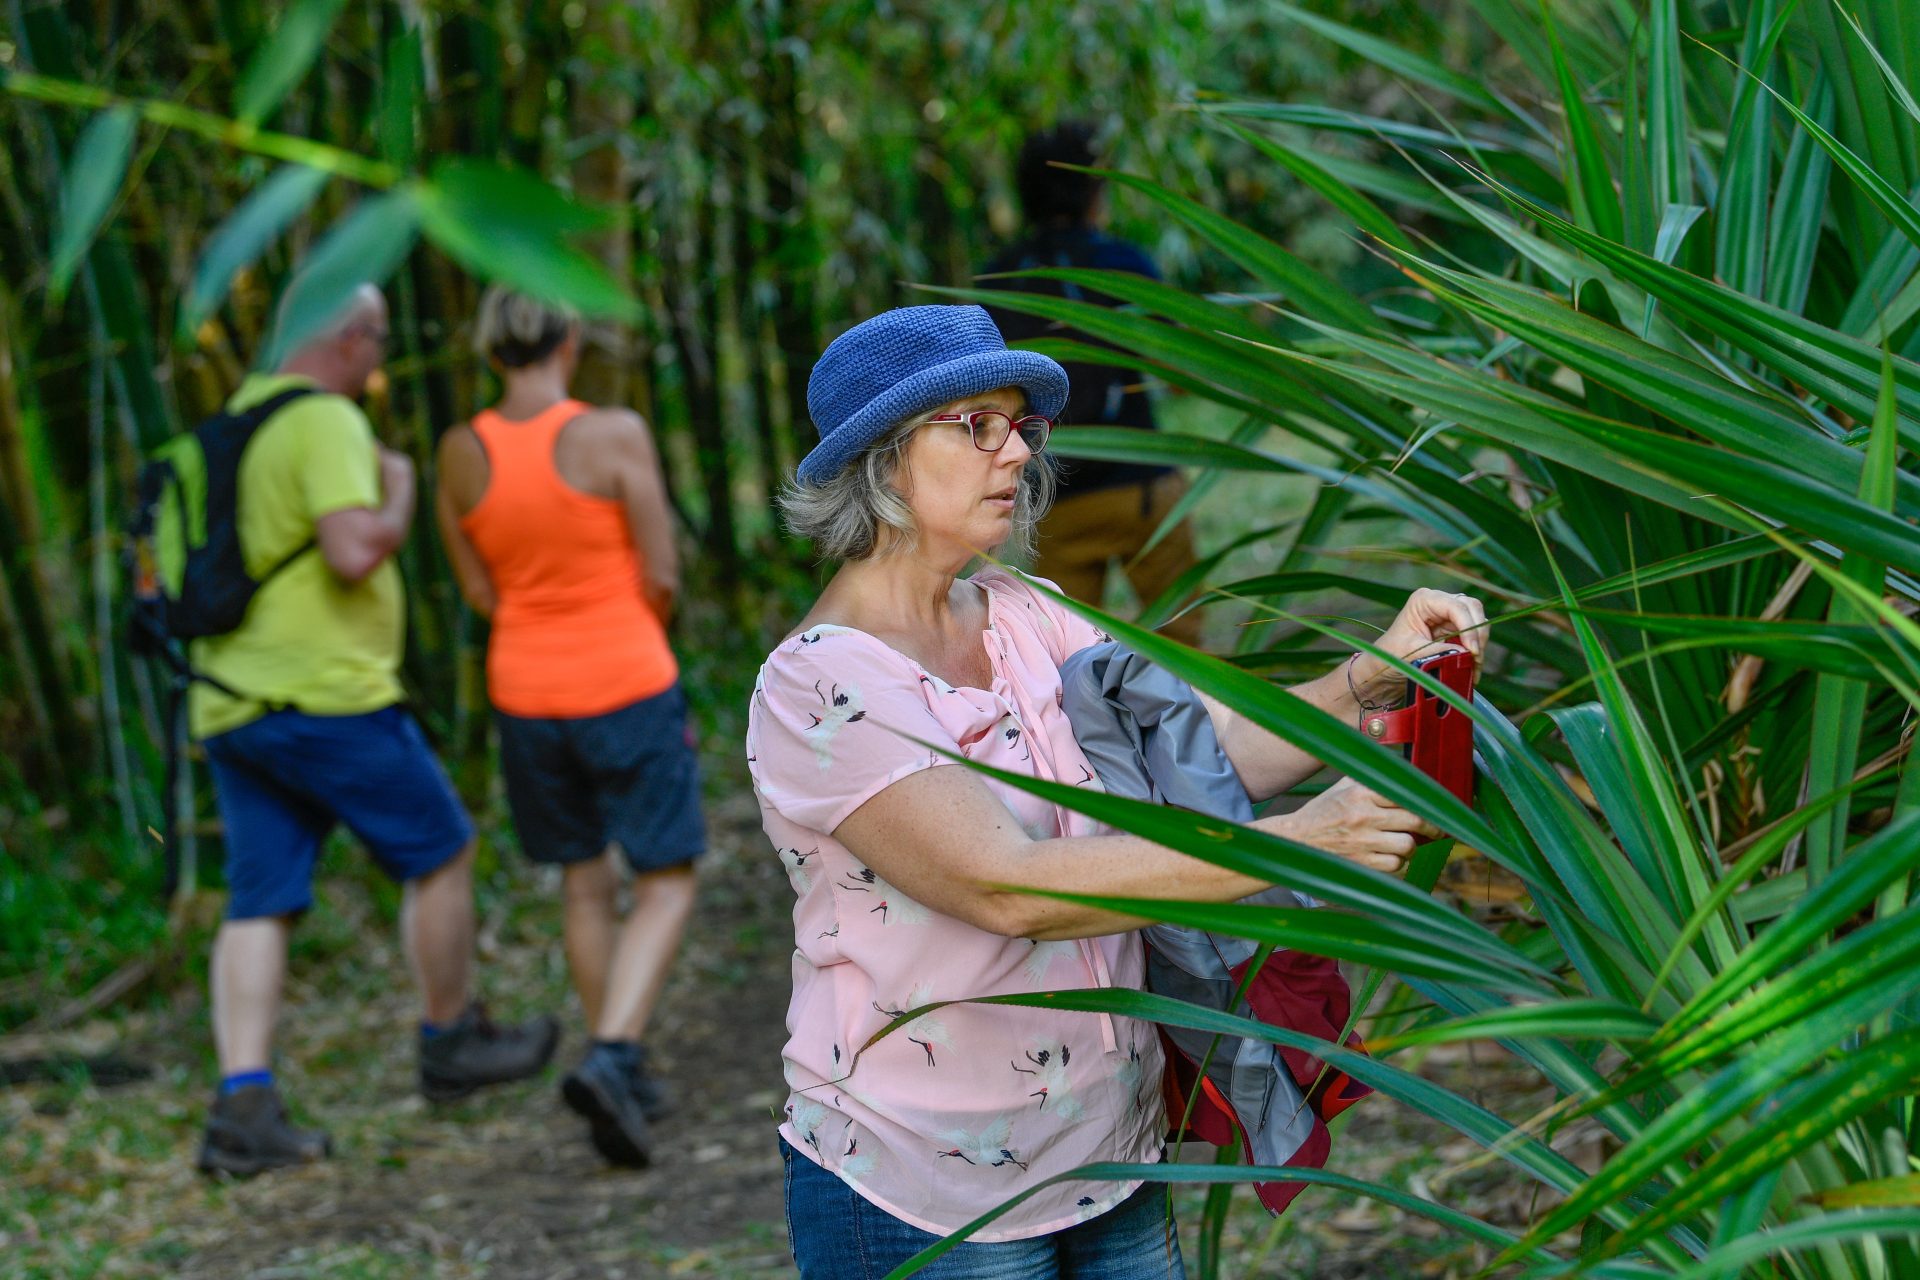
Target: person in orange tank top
(555, 516)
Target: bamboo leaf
(259, 220)
(284, 60)
(365, 247)
(505, 224)
(400, 94)
(95, 171)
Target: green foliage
(1663, 425)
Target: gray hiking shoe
(474, 1053)
(248, 1133)
(603, 1089)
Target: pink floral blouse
(958, 1110)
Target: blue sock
(428, 1031)
(242, 1079)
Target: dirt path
(99, 1182)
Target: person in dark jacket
(1106, 511)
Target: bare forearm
(1267, 764)
(1113, 866)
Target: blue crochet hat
(885, 370)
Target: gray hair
(518, 330)
(844, 514)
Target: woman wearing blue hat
(930, 454)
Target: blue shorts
(629, 777)
(285, 779)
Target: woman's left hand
(1431, 621)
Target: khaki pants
(1086, 532)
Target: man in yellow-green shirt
(304, 729)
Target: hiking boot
(473, 1052)
(655, 1098)
(248, 1133)
(602, 1088)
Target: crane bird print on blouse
(940, 1119)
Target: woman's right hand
(1353, 822)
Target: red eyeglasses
(990, 428)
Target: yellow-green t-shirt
(310, 640)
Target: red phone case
(1438, 739)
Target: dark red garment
(1303, 993)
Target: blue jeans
(838, 1234)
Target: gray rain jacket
(1149, 737)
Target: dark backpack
(189, 576)
(190, 579)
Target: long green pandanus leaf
(248, 230)
(1574, 1019)
(1156, 613)
(1450, 1109)
(1883, 195)
(1366, 215)
(1800, 204)
(1319, 931)
(1338, 745)
(1248, 430)
(94, 173)
(1205, 320)
(1842, 369)
(1793, 1237)
(1881, 1193)
(1902, 95)
(1667, 108)
(1740, 242)
(1770, 845)
(1864, 1078)
(1853, 649)
(1252, 386)
(1691, 394)
(1260, 257)
(1204, 1174)
(1680, 1128)
(1840, 704)
(284, 60)
(1676, 844)
(1596, 203)
(1278, 860)
(1663, 468)
(1395, 59)
(1855, 980)
(1301, 582)
(1889, 854)
(1585, 866)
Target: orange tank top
(572, 634)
